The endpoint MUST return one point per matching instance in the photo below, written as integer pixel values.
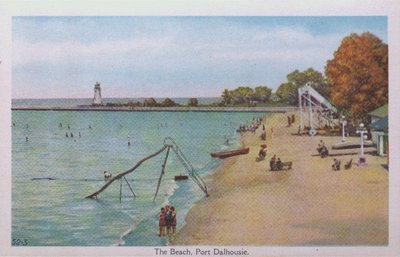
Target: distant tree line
(248, 95)
(152, 102)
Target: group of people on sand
(290, 120)
(275, 163)
(252, 127)
(262, 152)
(167, 221)
(323, 151)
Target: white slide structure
(315, 109)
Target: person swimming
(107, 175)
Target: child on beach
(173, 220)
(162, 222)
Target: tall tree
(288, 91)
(168, 102)
(151, 102)
(358, 74)
(242, 94)
(262, 93)
(193, 102)
(226, 96)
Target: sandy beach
(308, 205)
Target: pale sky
(63, 57)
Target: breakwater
(156, 109)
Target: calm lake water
(52, 174)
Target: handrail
(186, 164)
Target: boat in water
(181, 177)
(227, 154)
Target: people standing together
(167, 221)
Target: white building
(97, 94)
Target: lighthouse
(97, 94)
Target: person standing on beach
(168, 218)
(263, 135)
(272, 163)
(161, 222)
(173, 220)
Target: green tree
(150, 102)
(193, 102)
(288, 91)
(262, 93)
(358, 74)
(242, 95)
(168, 102)
(226, 96)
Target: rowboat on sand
(227, 154)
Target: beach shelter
(380, 135)
(378, 113)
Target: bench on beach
(348, 164)
(282, 166)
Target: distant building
(97, 94)
(380, 129)
(379, 113)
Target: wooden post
(120, 190)
(129, 186)
(162, 173)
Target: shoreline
(307, 205)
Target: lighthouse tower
(97, 94)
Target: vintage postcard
(175, 131)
